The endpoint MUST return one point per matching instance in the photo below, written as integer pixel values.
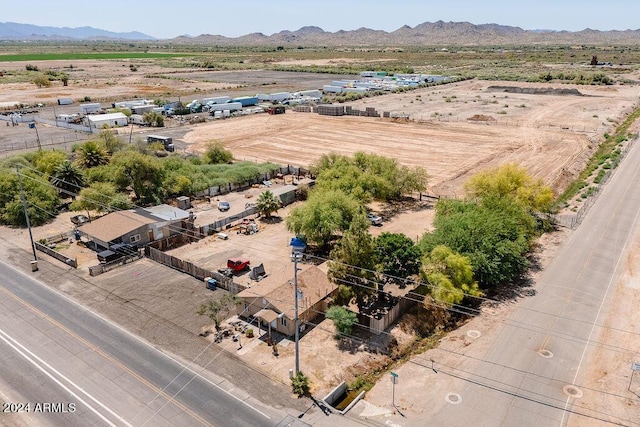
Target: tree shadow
(270, 220)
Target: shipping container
(65, 101)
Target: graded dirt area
(550, 135)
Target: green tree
(267, 203)
(91, 154)
(218, 310)
(143, 174)
(154, 118)
(48, 161)
(450, 276)
(101, 197)
(511, 180)
(343, 319)
(215, 153)
(353, 260)
(397, 255)
(41, 198)
(365, 176)
(495, 235)
(68, 179)
(177, 184)
(111, 142)
(64, 78)
(325, 214)
(300, 385)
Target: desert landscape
(453, 131)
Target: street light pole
(296, 257)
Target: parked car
(224, 206)
(374, 219)
(79, 219)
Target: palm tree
(91, 154)
(68, 179)
(267, 203)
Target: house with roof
(272, 302)
(137, 226)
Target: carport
(268, 316)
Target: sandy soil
(103, 80)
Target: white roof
(110, 116)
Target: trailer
(279, 97)
(246, 101)
(65, 101)
(216, 100)
(90, 108)
(332, 89)
(231, 106)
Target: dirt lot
(550, 135)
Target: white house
(111, 120)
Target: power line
(467, 313)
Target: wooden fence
(57, 255)
(96, 270)
(378, 325)
(193, 270)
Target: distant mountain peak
(16, 31)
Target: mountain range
(437, 33)
(15, 31)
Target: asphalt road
(531, 374)
(55, 351)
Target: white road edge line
(10, 341)
(115, 325)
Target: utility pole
(26, 215)
(296, 255)
(33, 125)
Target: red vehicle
(237, 265)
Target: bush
(249, 333)
(300, 385)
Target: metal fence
(572, 221)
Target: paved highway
(55, 351)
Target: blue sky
(232, 18)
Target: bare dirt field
(550, 135)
